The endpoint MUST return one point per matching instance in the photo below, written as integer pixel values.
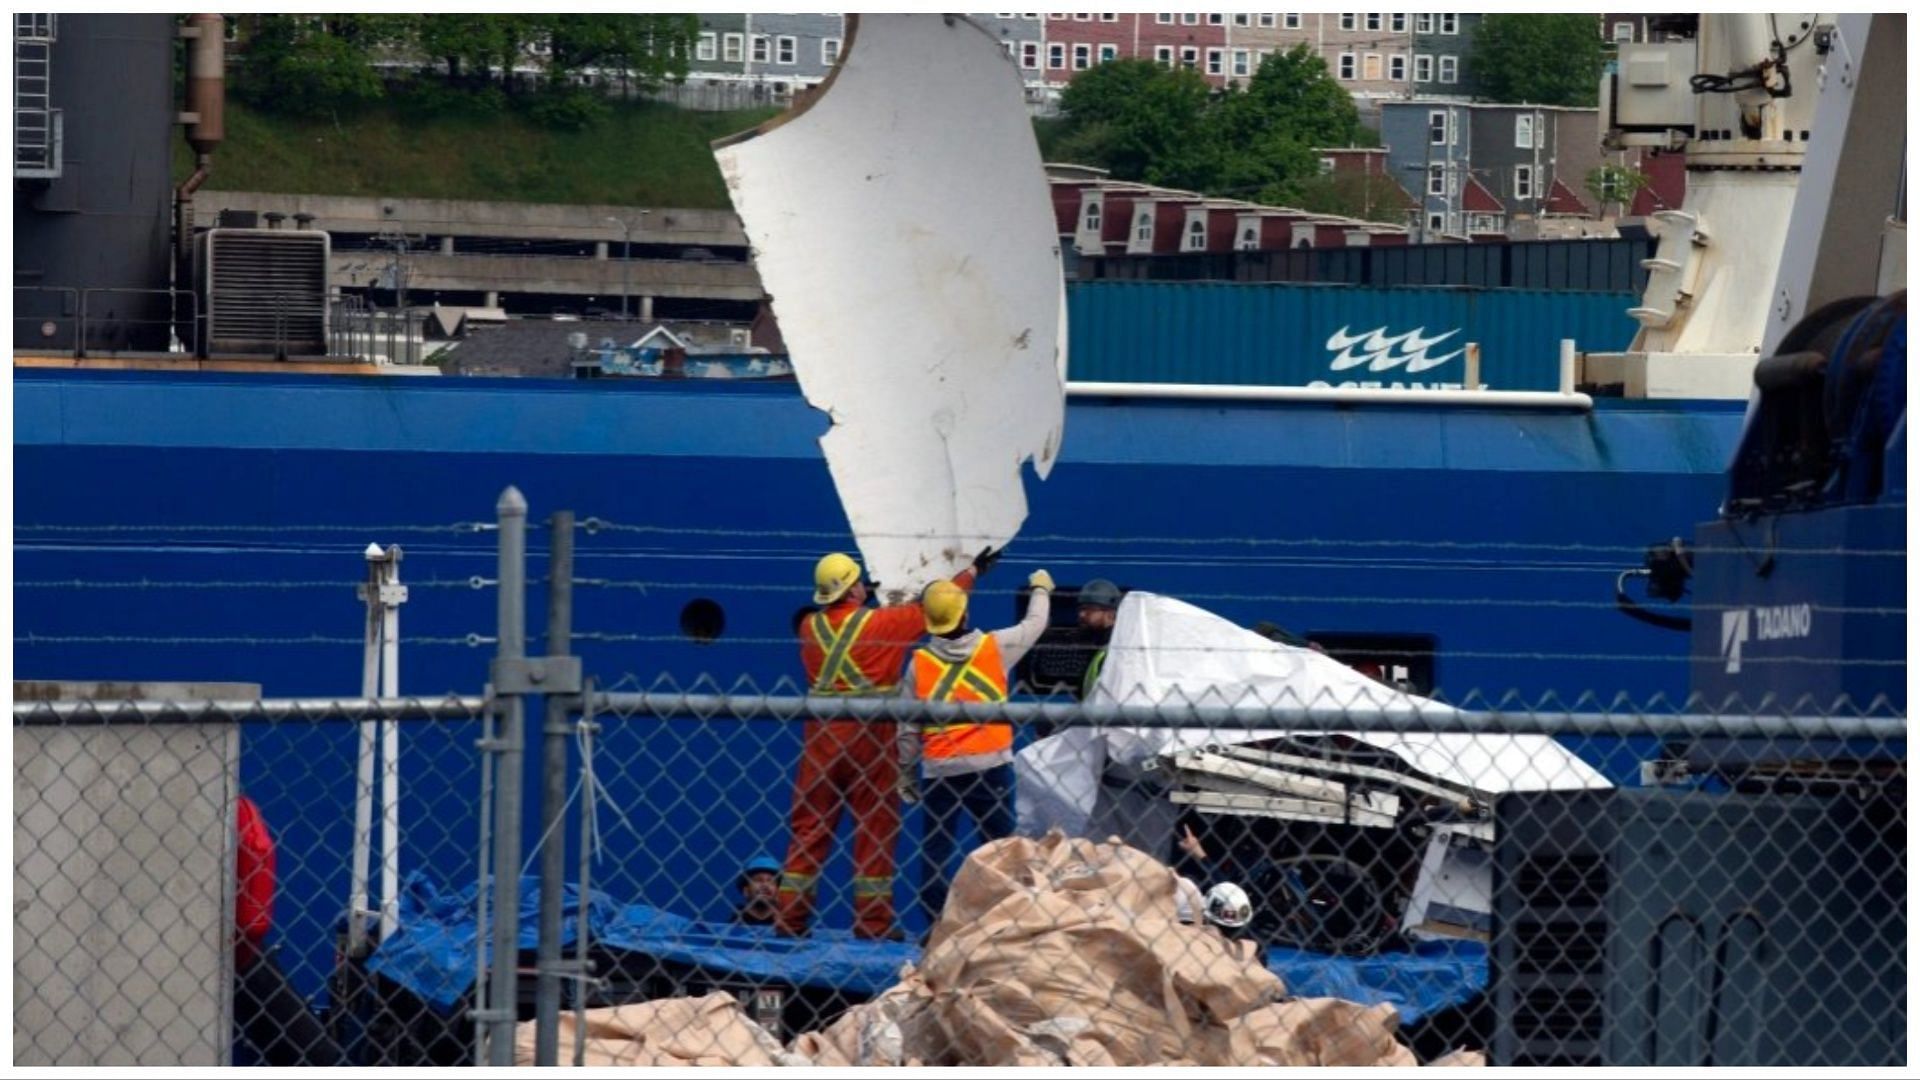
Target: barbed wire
(594, 525)
(30, 637)
(1215, 650)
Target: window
(1326, 165)
(1196, 236)
(730, 48)
(1422, 68)
(830, 51)
(1249, 239)
(1449, 24)
(1109, 53)
(1399, 22)
(1349, 21)
(1436, 179)
(1190, 57)
(1623, 32)
(1030, 55)
(1189, 18)
(1449, 69)
(1436, 223)
(1084, 17)
(1056, 56)
(1091, 223)
(1397, 67)
(1163, 19)
(1058, 17)
(1423, 24)
(1483, 223)
(1437, 127)
(1242, 63)
(1373, 20)
(1243, 20)
(1112, 17)
(1523, 181)
(708, 48)
(762, 48)
(1370, 68)
(1346, 66)
(1143, 226)
(1523, 131)
(1216, 61)
(788, 50)
(1164, 55)
(1082, 57)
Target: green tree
(314, 64)
(1538, 59)
(1616, 184)
(1137, 119)
(1261, 141)
(1367, 196)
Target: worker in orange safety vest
(851, 650)
(968, 766)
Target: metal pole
(357, 904)
(626, 267)
(503, 1000)
(392, 594)
(553, 805)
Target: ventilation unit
(1638, 927)
(263, 291)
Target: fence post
(508, 665)
(553, 800)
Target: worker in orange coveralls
(850, 650)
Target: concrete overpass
(487, 251)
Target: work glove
(1040, 579)
(908, 787)
(984, 561)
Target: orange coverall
(851, 763)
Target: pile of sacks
(1060, 951)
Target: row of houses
(1374, 55)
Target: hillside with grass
(640, 154)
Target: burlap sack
(710, 1030)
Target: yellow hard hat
(833, 575)
(945, 605)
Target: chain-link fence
(202, 882)
(929, 862)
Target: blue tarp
(432, 954)
(827, 959)
(1436, 975)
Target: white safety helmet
(1228, 906)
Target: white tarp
(1165, 650)
(902, 224)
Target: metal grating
(266, 291)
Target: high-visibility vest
(839, 675)
(980, 677)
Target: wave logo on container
(1381, 351)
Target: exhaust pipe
(205, 121)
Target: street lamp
(626, 260)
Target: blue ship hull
(1497, 532)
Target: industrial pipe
(205, 121)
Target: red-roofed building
(1563, 202)
(1486, 216)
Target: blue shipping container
(1319, 335)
